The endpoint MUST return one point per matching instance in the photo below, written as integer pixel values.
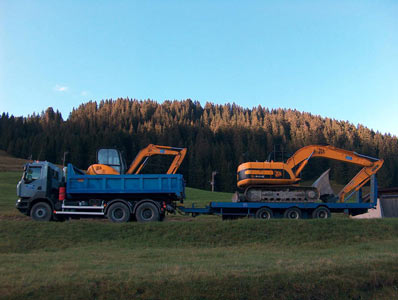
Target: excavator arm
(370, 165)
(142, 157)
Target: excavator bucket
(323, 185)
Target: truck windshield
(32, 173)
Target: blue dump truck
(47, 192)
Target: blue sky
(336, 59)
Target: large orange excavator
(278, 181)
(111, 162)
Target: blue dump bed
(78, 183)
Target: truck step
(78, 213)
(82, 207)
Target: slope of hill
(10, 163)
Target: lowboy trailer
(285, 209)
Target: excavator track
(280, 193)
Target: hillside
(218, 137)
(10, 163)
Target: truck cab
(40, 183)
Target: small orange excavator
(278, 181)
(111, 162)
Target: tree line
(218, 137)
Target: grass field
(201, 258)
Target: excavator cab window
(278, 155)
(112, 158)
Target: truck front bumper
(22, 205)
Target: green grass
(8, 193)
(202, 259)
(202, 198)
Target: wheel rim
(293, 215)
(147, 214)
(118, 214)
(40, 212)
(265, 215)
(322, 214)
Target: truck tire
(264, 213)
(292, 213)
(119, 213)
(41, 212)
(321, 213)
(147, 212)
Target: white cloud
(60, 88)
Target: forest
(218, 137)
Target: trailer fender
(127, 203)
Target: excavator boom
(142, 157)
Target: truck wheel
(119, 213)
(41, 212)
(264, 213)
(292, 213)
(321, 213)
(147, 212)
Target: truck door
(32, 183)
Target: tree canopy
(218, 137)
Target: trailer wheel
(292, 213)
(119, 213)
(264, 213)
(147, 212)
(321, 213)
(41, 212)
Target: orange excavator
(111, 162)
(278, 181)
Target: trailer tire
(119, 213)
(321, 213)
(41, 211)
(264, 213)
(292, 213)
(147, 212)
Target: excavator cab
(112, 158)
(109, 161)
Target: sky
(337, 59)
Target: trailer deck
(278, 209)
